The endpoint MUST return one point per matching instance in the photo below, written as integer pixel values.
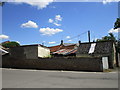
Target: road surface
(16, 78)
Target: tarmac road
(16, 78)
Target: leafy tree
(10, 44)
(108, 38)
(117, 23)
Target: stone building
(98, 49)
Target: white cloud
(40, 4)
(57, 24)
(29, 24)
(50, 31)
(58, 18)
(114, 30)
(52, 42)
(4, 36)
(109, 1)
(68, 37)
(50, 21)
(69, 40)
(18, 42)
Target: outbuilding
(105, 49)
(29, 52)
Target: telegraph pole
(89, 36)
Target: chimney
(79, 42)
(89, 36)
(61, 42)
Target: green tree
(10, 44)
(107, 38)
(117, 23)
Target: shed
(29, 52)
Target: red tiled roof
(65, 51)
(74, 51)
(54, 48)
(61, 49)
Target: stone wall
(26, 52)
(75, 64)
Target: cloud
(50, 31)
(56, 20)
(40, 4)
(69, 40)
(68, 37)
(18, 42)
(4, 36)
(109, 1)
(52, 42)
(50, 21)
(57, 24)
(29, 24)
(114, 30)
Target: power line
(70, 38)
(73, 37)
(76, 36)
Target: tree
(10, 44)
(117, 23)
(2, 3)
(110, 37)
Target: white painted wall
(105, 62)
(43, 52)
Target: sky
(50, 22)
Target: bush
(10, 44)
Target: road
(16, 78)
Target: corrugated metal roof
(65, 51)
